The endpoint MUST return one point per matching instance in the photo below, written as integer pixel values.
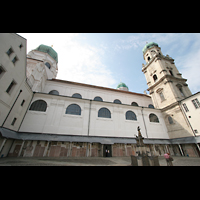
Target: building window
(10, 87)
(55, 92)
(20, 46)
(134, 104)
(155, 77)
(13, 122)
(23, 102)
(196, 103)
(104, 112)
(150, 106)
(117, 101)
(148, 58)
(170, 120)
(185, 107)
(131, 116)
(73, 109)
(98, 99)
(9, 51)
(2, 71)
(39, 105)
(14, 59)
(153, 118)
(180, 89)
(76, 95)
(48, 65)
(162, 96)
(171, 73)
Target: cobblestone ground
(91, 161)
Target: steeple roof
(49, 50)
(149, 45)
(122, 85)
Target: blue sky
(104, 59)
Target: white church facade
(44, 116)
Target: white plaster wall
(87, 92)
(55, 121)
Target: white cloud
(76, 62)
(82, 63)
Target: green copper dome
(149, 45)
(122, 85)
(49, 50)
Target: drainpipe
(144, 122)
(11, 108)
(88, 128)
(180, 149)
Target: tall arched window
(98, 99)
(134, 104)
(76, 95)
(180, 89)
(73, 109)
(117, 101)
(153, 118)
(39, 105)
(155, 77)
(54, 92)
(130, 115)
(170, 120)
(104, 112)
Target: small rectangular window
(14, 59)
(2, 71)
(196, 103)
(23, 102)
(13, 122)
(9, 51)
(185, 107)
(10, 87)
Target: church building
(43, 116)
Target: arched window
(148, 58)
(171, 72)
(153, 118)
(76, 95)
(180, 89)
(39, 105)
(117, 101)
(73, 109)
(155, 77)
(98, 99)
(134, 104)
(131, 115)
(104, 112)
(48, 65)
(54, 92)
(170, 120)
(150, 106)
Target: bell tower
(166, 87)
(165, 82)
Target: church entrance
(107, 150)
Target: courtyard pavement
(90, 161)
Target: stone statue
(139, 138)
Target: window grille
(98, 99)
(117, 101)
(76, 95)
(39, 105)
(130, 115)
(104, 112)
(73, 109)
(153, 118)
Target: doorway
(107, 150)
